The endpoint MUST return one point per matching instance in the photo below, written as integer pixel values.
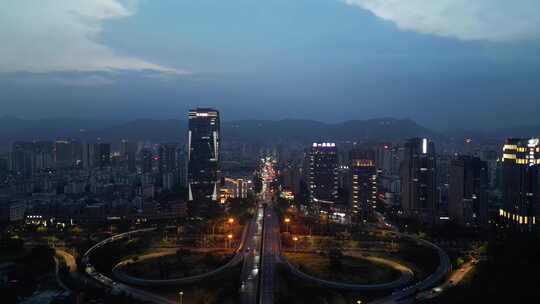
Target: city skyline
(269, 152)
(343, 60)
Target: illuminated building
(203, 154)
(521, 182)
(323, 175)
(467, 196)
(418, 180)
(363, 183)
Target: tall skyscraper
(323, 175)
(44, 154)
(128, 152)
(418, 180)
(104, 154)
(89, 158)
(467, 195)
(168, 157)
(521, 183)
(146, 160)
(63, 154)
(204, 137)
(363, 183)
(23, 159)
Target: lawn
(173, 266)
(352, 270)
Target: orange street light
(231, 220)
(295, 239)
(228, 240)
(287, 221)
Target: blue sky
(444, 63)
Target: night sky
(443, 63)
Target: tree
(335, 256)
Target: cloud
(491, 20)
(86, 81)
(63, 35)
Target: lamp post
(287, 221)
(295, 239)
(229, 237)
(180, 297)
(230, 221)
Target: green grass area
(352, 270)
(422, 260)
(290, 289)
(220, 289)
(178, 266)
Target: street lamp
(231, 220)
(287, 221)
(358, 302)
(229, 237)
(295, 239)
(181, 296)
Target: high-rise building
(23, 159)
(146, 160)
(204, 137)
(363, 183)
(467, 195)
(104, 155)
(168, 158)
(521, 183)
(323, 180)
(418, 180)
(63, 154)
(128, 152)
(89, 156)
(44, 154)
(182, 166)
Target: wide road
(249, 279)
(270, 253)
(408, 294)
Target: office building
(63, 154)
(146, 160)
(467, 195)
(23, 159)
(363, 183)
(168, 158)
(44, 155)
(521, 183)
(128, 153)
(323, 179)
(203, 154)
(418, 176)
(104, 155)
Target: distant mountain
(523, 131)
(383, 129)
(496, 135)
(309, 130)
